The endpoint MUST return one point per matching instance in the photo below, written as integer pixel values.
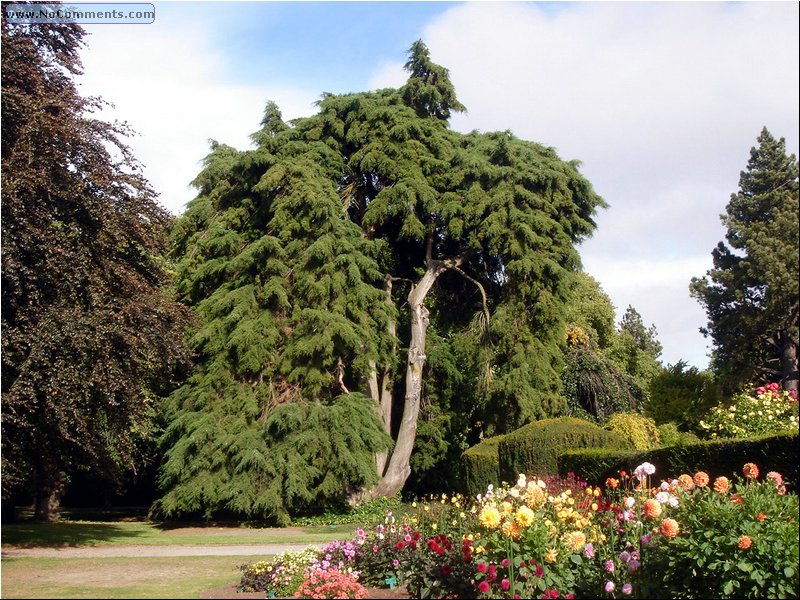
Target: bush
(480, 466)
(776, 452)
(534, 449)
(283, 574)
(639, 431)
(752, 412)
(671, 436)
(737, 544)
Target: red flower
(416, 536)
(400, 545)
(446, 570)
(481, 567)
(539, 571)
(483, 587)
(505, 584)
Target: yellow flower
(524, 517)
(576, 540)
(489, 517)
(506, 507)
(551, 555)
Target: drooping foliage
(607, 369)
(89, 338)
(345, 260)
(681, 394)
(751, 294)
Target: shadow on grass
(65, 533)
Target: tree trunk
(49, 490)
(398, 468)
(789, 370)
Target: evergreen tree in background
(348, 258)
(89, 339)
(751, 294)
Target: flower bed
(687, 537)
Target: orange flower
(701, 479)
(652, 508)
(721, 485)
(510, 529)
(745, 542)
(737, 499)
(686, 482)
(750, 471)
(612, 483)
(761, 517)
(669, 528)
(623, 474)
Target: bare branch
(483, 295)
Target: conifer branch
(483, 295)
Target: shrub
(639, 431)
(776, 452)
(752, 412)
(671, 436)
(480, 466)
(330, 584)
(737, 543)
(283, 574)
(534, 448)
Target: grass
(96, 533)
(162, 577)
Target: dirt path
(117, 551)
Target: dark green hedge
(534, 449)
(480, 467)
(774, 452)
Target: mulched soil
(229, 592)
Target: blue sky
(661, 102)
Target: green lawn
(93, 533)
(178, 577)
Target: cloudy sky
(661, 102)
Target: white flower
(521, 482)
(673, 502)
(664, 486)
(663, 497)
(629, 502)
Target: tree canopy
(751, 294)
(89, 338)
(403, 283)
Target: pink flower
(483, 587)
(481, 567)
(505, 584)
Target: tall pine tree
(751, 294)
(342, 263)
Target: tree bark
(789, 370)
(398, 468)
(49, 490)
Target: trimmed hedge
(480, 466)
(535, 448)
(772, 452)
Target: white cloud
(660, 101)
(170, 86)
(388, 75)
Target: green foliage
(300, 454)
(535, 448)
(281, 575)
(751, 294)
(292, 256)
(480, 466)
(670, 435)
(747, 549)
(636, 350)
(681, 394)
(595, 387)
(752, 412)
(775, 452)
(365, 513)
(640, 432)
(90, 339)
(591, 309)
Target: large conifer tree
(347, 258)
(89, 339)
(751, 294)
